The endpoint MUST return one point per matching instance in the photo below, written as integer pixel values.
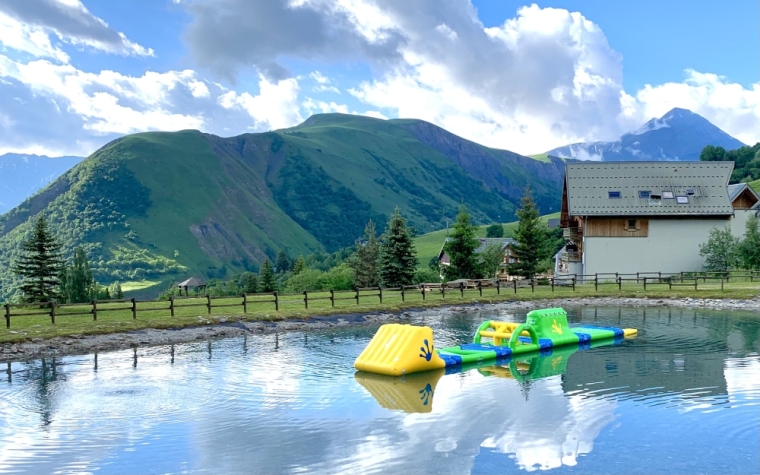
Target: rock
(223, 320)
(68, 342)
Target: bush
(426, 276)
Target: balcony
(572, 256)
(573, 234)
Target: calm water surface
(683, 397)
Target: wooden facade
(745, 200)
(617, 227)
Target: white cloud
(27, 26)
(275, 107)
(315, 107)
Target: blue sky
(75, 74)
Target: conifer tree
(460, 248)
(40, 264)
(283, 262)
(365, 260)
(79, 285)
(533, 245)
(250, 284)
(299, 266)
(397, 259)
(116, 291)
(267, 281)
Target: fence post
(443, 291)
(461, 289)
(573, 283)
(305, 299)
(380, 293)
(620, 283)
(532, 285)
(52, 311)
(208, 303)
(7, 316)
(480, 288)
(552, 282)
(245, 303)
(498, 286)
(171, 304)
(721, 284)
(695, 283)
(637, 278)
(682, 277)
(402, 294)
(514, 282)
(670, 284)
(276, 301)
(422, 289)
(645, 283)
(134, 308)
(94, 310)
(596, 282)
(357, 296)
(332, 298)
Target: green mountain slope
(166, 205)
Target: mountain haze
(23, 175)
(678, 135)
(160, 205)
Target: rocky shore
(227, 326)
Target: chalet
(630, 217)
(505, 243)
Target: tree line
(724, 252)
(387, 260)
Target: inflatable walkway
(398, 350)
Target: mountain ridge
(25, 174)
(161, 205)
(678, 135)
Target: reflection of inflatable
(397, 350)
(414, 392)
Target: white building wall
(672, 246)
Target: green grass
(138, 285)
(755, 185)
(429, 245)
(541, 157)
(156, 314)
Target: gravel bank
(222, 327)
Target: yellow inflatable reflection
(411, 393)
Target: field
(118, 316)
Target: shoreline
(225, 327)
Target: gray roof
(192, 282)
(552, 223)
(702, 186)
(484, 242)
(734, 190)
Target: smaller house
(192, 283)
(506, 246)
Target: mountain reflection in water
(676, 399)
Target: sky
(526, 77)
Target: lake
(683, 397)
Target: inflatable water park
(399, 358)
(398, 349)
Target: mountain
(678, 135)
(22, 175)
(162, 205)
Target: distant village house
(506, 245)
(630, 217)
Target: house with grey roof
(630, 217)
(505, 243)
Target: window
(631, 225)
(644, 194)
(614, 194)
(682, 200)
(667, 195)
(690, 191)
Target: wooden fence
(275, 300)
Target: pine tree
(40, 264)
(365, 260)
(299, 266)
(267, 282)
(250, 284)
(79, 284)
(533, 245)
(460, 248)
(397, 259)
(283, 262)
(495, 231)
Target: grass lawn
(136, 285)
(261, 307)
(429, 245)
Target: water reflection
(671, 401)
